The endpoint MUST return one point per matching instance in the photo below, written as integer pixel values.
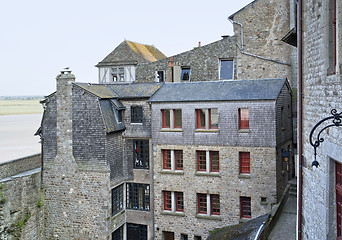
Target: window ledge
(244, 131)
(210, 174)
(263, 203)
(209, 217)
(243, 220)
(122, 211)
(207, 130)
(133, 123)
(171, 130)
(176, 172)
(178, 214)
(244, 176)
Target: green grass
(17, 106)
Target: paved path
(285, 228)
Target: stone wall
(21, 199)
(321, 94)
(261, 183)
(204, 61)
(20, 165)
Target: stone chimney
(64, 112)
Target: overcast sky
(39, 38)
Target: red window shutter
(166, 159)
(201, 203)
(215, 204)
(214, 161)
(338, 187)
(179, 202)
(178, 159)
(244, 162)
(200, 119)
(167, 200)
(245, 207)
(201, 161)
(243, 118)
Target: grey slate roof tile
(232, 90)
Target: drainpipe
(300, 119)
(251, 54)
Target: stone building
(218, 150)
(320, 49)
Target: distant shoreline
(20, 105)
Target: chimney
(199, 44)
(169, 70)
(64, 111)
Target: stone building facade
(183, 173)
(322, 52)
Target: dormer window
(185, 74)
(118, 74)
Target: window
(136, 231)
(208, 201)
(244, 158)
(117, 199)
(185, 74)
(208, 161)
(207, 118)
(138, 196)
(172, 159)
(160, 76)
(168, 235)
(198, 238)
(118, 234)
(118, 74)
(184, 236)
(141, 154)
(243, 118)
(245, 207)
(171, 118)
(136, 114)
(173, 201)
(226, 69)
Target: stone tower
(77, 196)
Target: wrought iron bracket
(316, 142)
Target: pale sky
(39, 37)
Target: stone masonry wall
(264, 23)
(204, 61)
(20, 165)
(321, 94)
(227, 183)
(21, 207)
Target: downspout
(300, 119)
(251, 54)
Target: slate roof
(232, 90)
(121, 91)
(131, 53)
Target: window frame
(208, 161)
(118, 73)
(207, 204)
(202, 203)
(167, 200)
(243, 122)
(205, 113)
(214, 210)
(185, 73)
(158, 76)
(220, 67)
(138, 196)
(172, 159)
(245, 162)
(169, 121)
(117, 199)
(136, 114)
(141, 154)
(173, 201)
(245, 207)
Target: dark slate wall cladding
(89, 136)
(262, 124)
(137, 129)
(49, 127)
(204, 61)
(283, 117)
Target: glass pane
(185, 75)
(200, 115)
(166, 118)
(214, 118)
(178, 118)
(226, 69)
